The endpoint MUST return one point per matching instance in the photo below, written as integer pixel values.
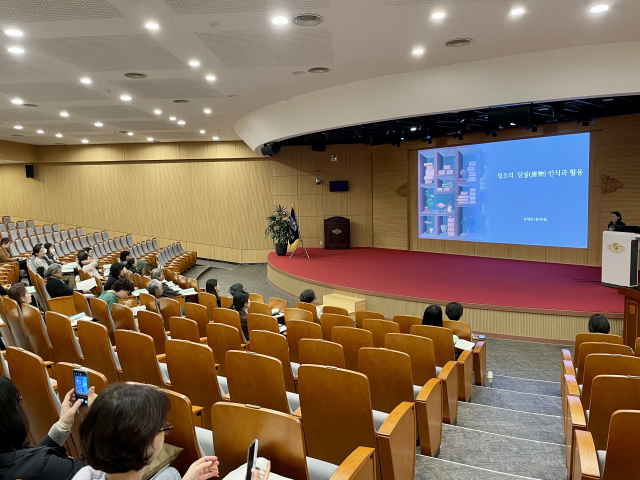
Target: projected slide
(524, 192)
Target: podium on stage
(619, 259)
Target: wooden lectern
(631, 329)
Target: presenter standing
(615, 220)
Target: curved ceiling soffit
(588, 71)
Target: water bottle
(490, 379)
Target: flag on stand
(294, 232)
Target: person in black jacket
(48, 460)
(615, 220)
(214, 289)
(167, 291)
(55, 286)
(116, 271)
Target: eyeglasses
(20, 399)
(167, 429)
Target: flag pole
(294, 234)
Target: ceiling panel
(67, 127)
(102, 112)
(110, 138)
(178, 136)
(50, 91)
(148, 125)
(438, 2)
(23, 114)
(199, 7)
(109, 52)
(245, 48)
(53, 10)
(168, 88)
(11, 66)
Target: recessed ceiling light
(15, 50)
(40, 131)
(215, 138)
(125, 98)
(517, 11)
(599, 8)
(413, 129)
(203, 131)
(84, 140)
(210, 78)
(86, 80)
(129, 133)
(194, 63)
(279, 20)
(98, 124)
(17, 101)
(152, 26)
(418, 51)
(512, 124)
(181, 122)
(59, 135)
(12, 32)
(157, 111)
(18, 127)
(64, 114)
(207, 110)
(173, 119)
(149, 139)
(438, 15)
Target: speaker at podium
(620, 259)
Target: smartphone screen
(81, 383)
(252, 456)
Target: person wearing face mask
(38, 262)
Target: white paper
(465, 345)
(31, 289)
(188, 291)
(275, 311)
(136, 293)
(135, 310)
(283, 328)
(87, 284)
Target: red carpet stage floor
(511, 284)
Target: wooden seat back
(222, 338)
(225, 301)
(275, 345)
(297, 314)
(334, 310)
(62, 338)
(258, 307)
(137, 355)
(209, 301)
(149, 301)
(13, 318)
(361, 315)
(255, 379)
(229, 317)
(193, 373)
(406, 322)
(606, 364)
(330, 320)
(30, 377)
(309, 307)
(150, 323)
(622, 459)
(442, 342)
(608, 394)
(254, 297)
(96, 349)
(280, 438)
(313, 351)
(100, 312)
(123, 317)
(65, 370)
(298, 329)
(80, 303)
(352, 340)
(169, 308)
(193, 283)
(183, 434)
(587, 348)
(199, 314)
(182, 282)
(593, 337)
(420, 350)
(184, 329)
(278, 303)
(461, 329)
(258, 321)
(390, 378)
(379, 328)
(36, 333)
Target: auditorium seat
(192, 370)
(309, 307)
(423, 368)
(379, 328)
(275, 345)
(231, 318)
(199, 314)
(361, 315)
(255, 379)
(137, 355)
(185, 329)
(64, 344)
(225, 301)
(149, 301)
(298, 329)
(588, 348)
(278, 303)
(260, 308)
(151, 323)
(334, 310)
(123, 318)
(258, 321)
(169, 308)
(221, 338)
(36, 332)
(100, 312)
(330, 320)
(391, 383)
(209, 301)
(297, 314)
(352, 340)
(313, 351)
(254, 297)
(406, 322)
(337, 418)
(13, 317)
(587, 337)
(98, 351)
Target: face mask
(52, 251)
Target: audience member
(454, 311)
(213, 288)
(121, 289)
(147, 269)
(5, 254)
(130, 265)
(88, 266)
(241, 305)
(124, 256)
(167, 291)
(309, 296)
(48, 460)
(117, 271)
(3, 292)
(615, 219)
(432, 316)
(123, 449)
(598, 323)
(55, 286)
(19, 293)
(140, 266)
(38, 263)
(51, 257)
(154, 287)
(236, 287)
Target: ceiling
(252, 59)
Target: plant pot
(281, 249)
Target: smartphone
(81, 383)
(481, 337)
(252, 456)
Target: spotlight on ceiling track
(533, 127)
(586, 120)
(357, 131)
(268, 150)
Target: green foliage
(278, 225)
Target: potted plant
(278, 229)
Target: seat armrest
(362, 459)
(565, 355)
(575, 420)
(162, 358)
(480, 363)
(51, 368)
(429, 416)
(571, 386)
(297, 413)
(449, 376)
(396, 439)
(227, 398)
(465, 375)
(585, 464)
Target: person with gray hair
(154, 287)
(158, 274)
(55, 286)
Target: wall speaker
(29, 171)
(520, 115)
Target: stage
(508, 298)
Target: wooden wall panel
(390, 227)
